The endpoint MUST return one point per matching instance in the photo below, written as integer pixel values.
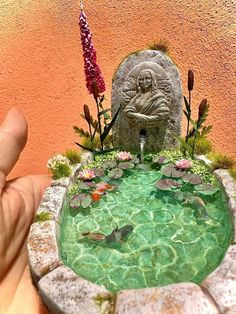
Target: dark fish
(94, 236)
(119, 234)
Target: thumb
(13, 137)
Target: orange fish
(96, 195)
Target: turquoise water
(171, 242)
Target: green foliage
(221, 161)
(95, 143)
(198, 132)
(202, 145)
(73, 155)
(60, 170)
(200, 168)
(43, 216)
(99, 159)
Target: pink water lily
(183, 164)
(87, 174)
(124, 156)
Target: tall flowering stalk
(91, 68)
(95, 85)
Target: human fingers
(13, 137)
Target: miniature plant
(59, 166)
(95, 85)
(183, 164)
(124, 156)
(206, 189)
(83, 200)
(167, 184)
(73, 155)
(221, 161)
(198, 131)
(87, 174)
(43, 216)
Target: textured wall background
(41, 69)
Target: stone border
(64, 292)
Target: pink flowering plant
(183, 164)
(87, 175)
(124, 156)
(95, 85)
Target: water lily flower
(183, 164)
(92, 71)
(124, 156)
(87, 174)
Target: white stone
(182, 298)
(52, 201)
(42, 248)
(64, 292)
(221, 284)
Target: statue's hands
(18, 200)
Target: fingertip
(16, 125)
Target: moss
(43, 216)
(73, 155)
(105, 297)
(60, 171)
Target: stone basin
(65, 292)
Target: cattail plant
(197, 130)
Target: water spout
(142, 140)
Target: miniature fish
(118, 234)
(94, 236)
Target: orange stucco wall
(41, 69)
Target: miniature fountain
(118, 237)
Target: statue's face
(145, 80)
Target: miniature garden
(143, 207)
(141, 219)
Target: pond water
(171, 241)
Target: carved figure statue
(149, 105)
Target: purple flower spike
(91, 68)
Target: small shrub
(60, 171)
(73, 155)
(162, 45)
(43, 216)
(202, 146)
(96, 143)
(221, 161)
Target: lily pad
(99, 172)
(160, 160)
(170, 170)
(206, 189)
(126, 165)
(142, 167)
(78, 200)
(192, 178)
(108, 164)
(167, 184)
(115, 173)
(86, 201)
(82, 186)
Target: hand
(18, 200)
